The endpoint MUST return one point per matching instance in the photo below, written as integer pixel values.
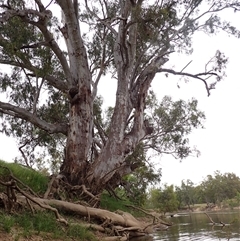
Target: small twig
(30, 206)
(45, 196)
(186, 66)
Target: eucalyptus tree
(186, 193)
(220, 187)
(56, 66)
(164, 199)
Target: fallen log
(118, 222)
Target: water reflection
(196, 227)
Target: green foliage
(143, 174)
(164, 199)
(18, 39)
(31, 178)
(186, 193)
(7, 222)
(233, 202)
(112, 204)
(220, 187)
(172, 122)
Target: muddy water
(197, 227)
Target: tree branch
(41, 24)
(36, 97)
(106, 23)
(19, 112)
(196, 76)
(58, 84)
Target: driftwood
(215, 223)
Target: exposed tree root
(50, 186)
(13, 200)
(118, 225)
(157, 222)
(58, 185)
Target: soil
(14, 235)
(10, 237)
(18, 235)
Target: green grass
(112, 204)
(43, 223)
(7, 222)
(83, 233)
(35, 180)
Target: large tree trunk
(109, 166)
(79, 138)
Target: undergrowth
(35, 180)
(44, 224)
(113, 204)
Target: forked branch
(198, 76)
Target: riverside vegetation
(23, 221)
(55, 55)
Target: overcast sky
(219, 141)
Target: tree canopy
(217, 189)
(51, 90)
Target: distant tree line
(215, 189)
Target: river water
(197, 227)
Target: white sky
(219, 141)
